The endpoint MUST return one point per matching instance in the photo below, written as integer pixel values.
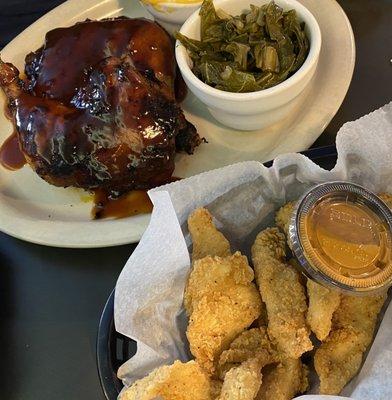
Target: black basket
(113, 349)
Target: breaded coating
(282, 293)
(206, 239)
(217, 319)
(211, 274)
(216, 388)
(386, 198)
(251, 344)
(172, 382)
(339, 358)
(262, 322)
(242, 382)
(323, 302)
(284, 380)
(222, 302)
(283, 217)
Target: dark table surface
(52, 298)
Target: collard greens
(253, 51)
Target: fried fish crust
(284, 380)
(283, 217)
(172, 382)
(206, 239)
(217, 319)
(251, 344)
(323, 302)
(242, 382)
(216, 274)
(339, 358)
(282, 293)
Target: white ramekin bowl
(256, 110)
(171, 15)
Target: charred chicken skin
(97, 108)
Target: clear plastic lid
(341, 235)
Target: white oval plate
(32, 210)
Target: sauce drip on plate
(11, 157)
(132, 203)
(129, 204)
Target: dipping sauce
(342, 236)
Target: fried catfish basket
(113, 349)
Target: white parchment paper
(243, 199)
